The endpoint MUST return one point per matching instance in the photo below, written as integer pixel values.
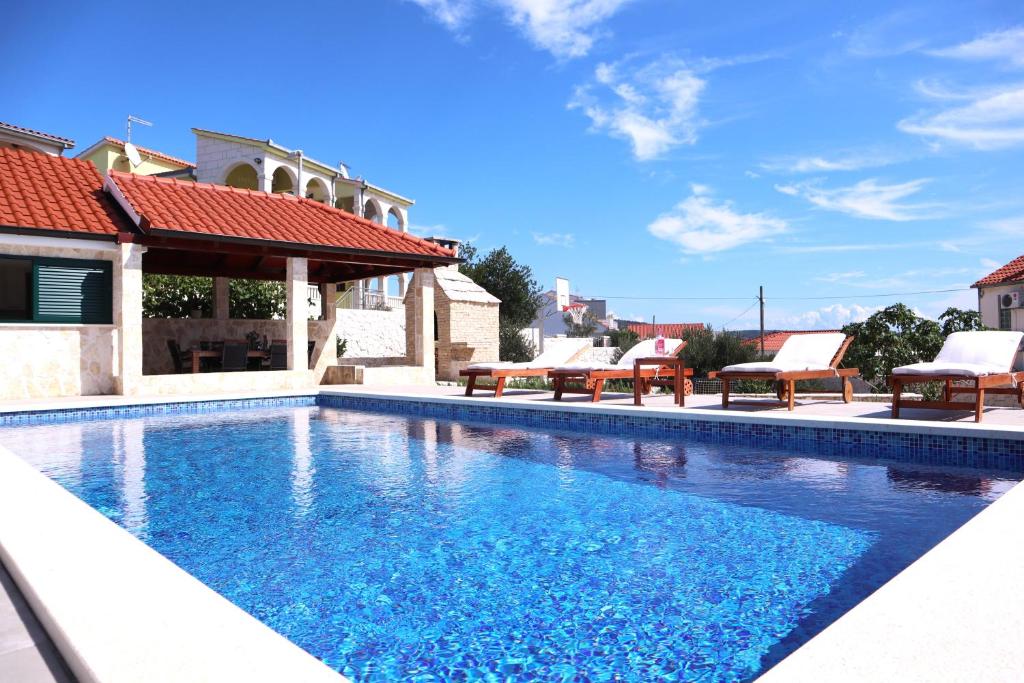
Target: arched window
(317, 191)
(395, 219)
(242, 176)
(281, 181)
(371, 211)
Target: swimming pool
(402, 547)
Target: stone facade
(372, 334)
(57, 360)
(467, 332)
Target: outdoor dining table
(198, 354)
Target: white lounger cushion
(642, 350)
(800, 352)
(549, 359)
(970, 354)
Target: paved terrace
(807, 404)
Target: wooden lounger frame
(501, 375)
(578, 381)
(785, 387)
(1011, 383)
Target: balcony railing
(369, 300)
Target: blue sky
(641, 148)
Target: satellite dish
(132, 152)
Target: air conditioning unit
(1011, 300)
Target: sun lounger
(538, 367)
(589, 378)
(802, 357)
(981, 361)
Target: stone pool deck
(807, 405)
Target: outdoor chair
(235, 356)
(982, 361)
(589, 378)
(501, 372)
(802, 357)
(278, 355)
(176, 358)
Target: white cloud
(866, 199)
(829, 317)
(1007, 45)
(885, 36)
(700, 226)
(554, 239)
(653, 107)
(841, 277)
(910, 279)
(993, 119)
(841, 248)
(452, 14)
(1006, 226)
(818, 164)
(565, 28)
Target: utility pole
(760, 298)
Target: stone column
(221, 298)
(421, 320)
(128, 318)
(266, 181)
(329, 301)
(382, 287)
(297, 307)
(401, 284)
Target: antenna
(135, 119)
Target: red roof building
(1010, 273)
(44, 193)
(670, 330)
(773, 341)
(19, 137)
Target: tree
(176, 296)
(896, 336)
(521, 297)
(707, 350)
(257, 299)
(513, 283)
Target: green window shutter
(72, 291)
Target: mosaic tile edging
(920, 448)
(147, 409)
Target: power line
(756, 302)
(780, 298)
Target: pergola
(186, 228)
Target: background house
(1001, 299)
(17, 137)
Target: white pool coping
(118, 611)
(956, 614)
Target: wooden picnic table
(198, 354)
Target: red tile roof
(1011, 272)
(147, 152)
(67, 142)
(44, 192)
(773, 341)
(201, 208)
(670, 330)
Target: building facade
(1001, 299)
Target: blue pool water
(396, 548)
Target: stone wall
(222, 382)
(372, 334)
(467, 332)
(57, 360)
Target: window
(50, 290)
(15, 289)
(1005, 318)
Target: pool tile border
(44, 416)
(982, 452)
